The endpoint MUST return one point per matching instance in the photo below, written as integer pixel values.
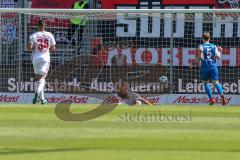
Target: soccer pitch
(127, 133)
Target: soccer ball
(139, 103)
(163, 79)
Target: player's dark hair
(123, 94)
(41, 24)
(206, 36)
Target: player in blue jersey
(208, 53)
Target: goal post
(150, 50)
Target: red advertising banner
(187, 2)
(51, 21)
(110, 4)
(52, 3)
(161, 56)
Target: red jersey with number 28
(42, 41)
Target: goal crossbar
(40, 10)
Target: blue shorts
(209, 74)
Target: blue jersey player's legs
(205, 77)
(214, 78)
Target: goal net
(149, 50)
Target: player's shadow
(13, 151)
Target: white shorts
(41, 68)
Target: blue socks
(219, 88)
(208, 90)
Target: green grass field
(127, 133)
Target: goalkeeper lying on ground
(129, 97)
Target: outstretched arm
(144, 101)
